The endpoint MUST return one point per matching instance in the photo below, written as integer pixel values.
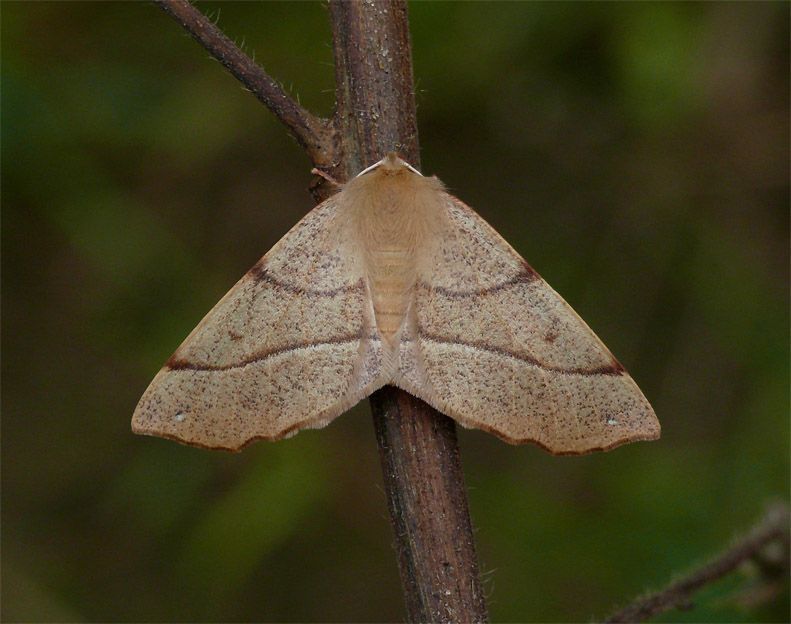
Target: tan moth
(394, 281)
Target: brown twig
(774, 527)
(313, 133)
(420, 456)
(428, 509)
(375, 113)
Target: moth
(392, 280)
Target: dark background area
(637, 156)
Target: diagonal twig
(314, 134)
(774, 527)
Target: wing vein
(528, 359)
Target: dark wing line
(175, 363)
(614, 369)
(261, 274)
(525, 276)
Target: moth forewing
(394, 281)
(292, 345)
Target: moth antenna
(391, 161)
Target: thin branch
(313, 133)
(418, 449)
(428, 508)
(774, 527)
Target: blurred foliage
(636, 154)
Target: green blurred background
(637, 156)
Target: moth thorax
(390, 279)
(394, 212)
(393, 243)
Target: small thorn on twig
(326, 176)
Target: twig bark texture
(417, 445)
(375, 113)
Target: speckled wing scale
(495, 348)
(394, 281)
(291, 346)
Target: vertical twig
(375, 113)
(428, 509)
(417, 445)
